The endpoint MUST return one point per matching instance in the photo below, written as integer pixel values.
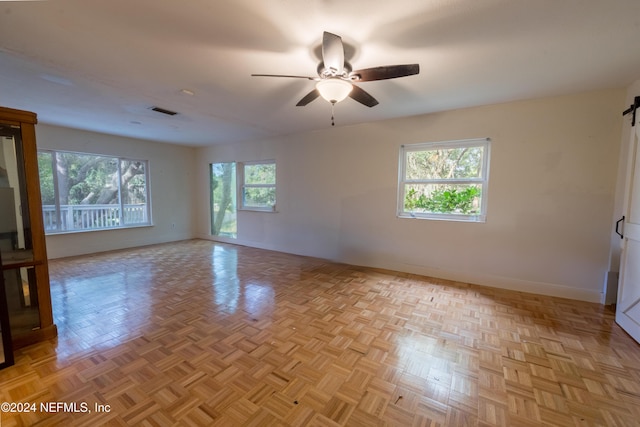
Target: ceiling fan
(336, 78)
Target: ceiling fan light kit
(334, 90)
(335, 81)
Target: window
(444, 180)
(258, 189)
(91, 192)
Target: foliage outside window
(91, 192)
(223, 200)
(444, 180)
(258, 189)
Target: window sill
(267, 210)
(445, 217)
(128, 227)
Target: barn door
(628, 307)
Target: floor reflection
(99, 309)
(106, 299)
(226, 285)
(234, 290)
(258, 299)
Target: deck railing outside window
(92, 217)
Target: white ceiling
(101, 64)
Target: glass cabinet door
(6, 351)
(22, 300)
(16, 246)
(15, 229)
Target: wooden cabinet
(22, 242)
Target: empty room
(320, 213)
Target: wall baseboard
(501, 282)
(513, 284)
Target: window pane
(447, 163)
(88, 191)
(47, 192)
(443, 198)
(223, 200)
(260, 197)
(260, 174)
(133, 189)
(46, 178)
(85, 179)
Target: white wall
(550, 202)
(171, 178)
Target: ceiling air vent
(163, 111)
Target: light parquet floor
(199, 333)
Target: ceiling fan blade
(363, 97)
(384, 72)
(332, 52)
(284, 75)
(308, 98)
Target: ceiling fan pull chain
(333, 122)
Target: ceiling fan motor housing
(324, 72)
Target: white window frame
(57, 206)
(240, 172)
(483, 180)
